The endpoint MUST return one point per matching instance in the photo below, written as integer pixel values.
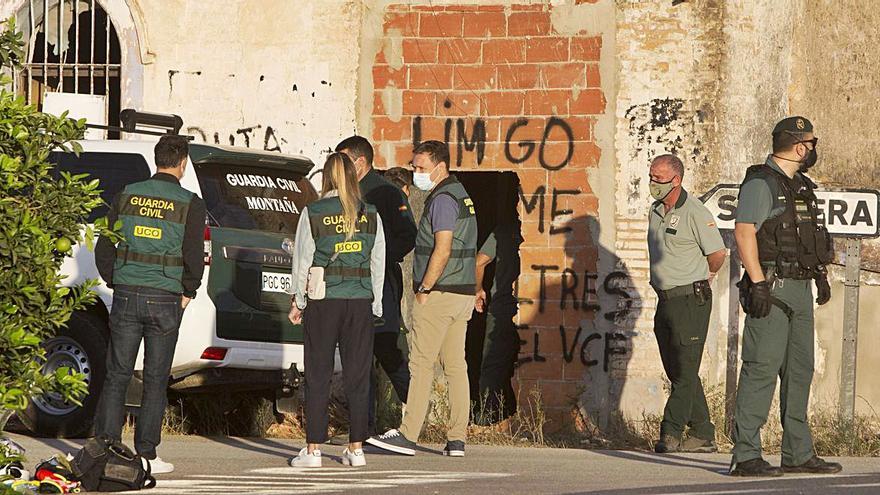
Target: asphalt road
(259, 467)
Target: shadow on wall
(576, 345)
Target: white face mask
(423, 181)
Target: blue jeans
(154, 316)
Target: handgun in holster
(745, 290)
(702, 291)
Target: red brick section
(538, 94)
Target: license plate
(277, 282)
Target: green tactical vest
(459, 276)
(348, 275)
(153, 215)
(796, 241)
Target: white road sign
(848, 212)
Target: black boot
(757, 467)
(815, 465)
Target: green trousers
(680, 325)
(773, 347)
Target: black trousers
(348, 323)
(500, 350)
(681, 325)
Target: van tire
(82, 344)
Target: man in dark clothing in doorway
(400, 238)
(501, 345)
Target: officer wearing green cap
(686, 251)
(784, 247)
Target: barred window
(72, 47)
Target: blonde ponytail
(339, 174)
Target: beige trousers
(439, 328)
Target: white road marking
(730, 492)
(285, 480)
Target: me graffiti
(517, 148)
(536, 202)
(260, 136)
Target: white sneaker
(354, 459)
(158, 466)
(306, 460)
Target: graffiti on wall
(550, 143)
(255, 136)
(576, 296)
(517, 147)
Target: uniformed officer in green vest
(338, 279)
(784, 247)
(444, 280)
(154, 272)
(686, 250)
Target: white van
(235, 334)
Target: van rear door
(253, 200)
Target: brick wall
(509, 92)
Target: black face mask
(809, 160)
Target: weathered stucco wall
(834, 81)
(267, 75)
(667, 102)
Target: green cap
(794, 124)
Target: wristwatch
(423, 290)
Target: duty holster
(702, 291)
(745, 292)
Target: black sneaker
(393, 441)
(816, 465)
(454, 448)
(757, 467)
(667, 444)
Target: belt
(680, 291)
(455, 253)
(346, 271)
(149, 258)
(793, 272)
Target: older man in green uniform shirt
(781, 237)
(686, 250)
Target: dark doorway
(491, 360)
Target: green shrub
(40, 217)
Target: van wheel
(82, 347)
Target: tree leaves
(37, 208)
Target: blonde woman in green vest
(338, 275)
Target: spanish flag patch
(402, 208)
